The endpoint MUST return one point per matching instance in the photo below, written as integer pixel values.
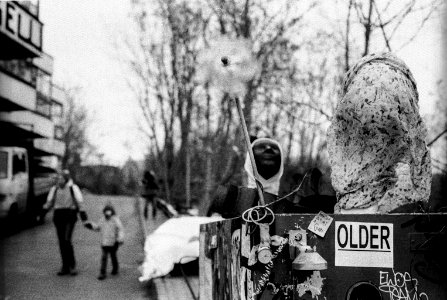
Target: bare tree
(191, 129)
(269, 30)
(75, 124)
(388, 19)
(162, 67)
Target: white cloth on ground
(174, 241)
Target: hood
(376, 145)
(270, 185)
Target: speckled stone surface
(376, 141)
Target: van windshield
(3, 164)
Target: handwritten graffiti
(400, 286)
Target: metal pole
(249, 150)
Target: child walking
(112, 236)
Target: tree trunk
(167, 172)
(290, 138)
(348, 29)
(187, 173)
(368, 28)
(209, 182)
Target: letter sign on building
(360, 244)
(20, 26)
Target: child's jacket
(111, 231)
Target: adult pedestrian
(149, 193)
(66, 199)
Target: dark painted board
(427, 266)
(419, 266)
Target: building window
(57, 110)
(3, 164)
(57, 113)
(43, 84)
(43, 106)
(58, 132)
(21, 69)
(58, 94)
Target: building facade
(31, 105)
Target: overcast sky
(78, 35)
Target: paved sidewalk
(31, 260)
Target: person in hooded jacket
(112, 236)
(232, 201)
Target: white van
(20, 190)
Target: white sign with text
(359, 244)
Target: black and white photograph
(223, 149)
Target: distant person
(149, 193)
(66, 199)
(112, 236)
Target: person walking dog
(66, 199)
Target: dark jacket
(231, 201)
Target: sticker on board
(320, 224)
(359, 244)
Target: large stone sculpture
(376, 141)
